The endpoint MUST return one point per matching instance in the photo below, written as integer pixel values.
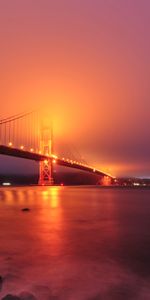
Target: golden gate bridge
(23, 136)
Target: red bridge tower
(46, 166)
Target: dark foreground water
(75, 243)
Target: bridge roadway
(5, 150)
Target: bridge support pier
(46, 171)
(46, 166)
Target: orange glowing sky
(86, 64)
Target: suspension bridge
(24, 136)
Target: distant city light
(10, 144)
(6, 183)
(136, 183)
(21, 147)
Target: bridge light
(31, 150)
(54, 156)
(10, 144)
(93, 170)
(54, 161)
(21, 147)
(46, 162)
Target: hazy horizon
(86, 64)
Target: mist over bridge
(24, 136)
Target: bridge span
(23, 136)
(20, 153)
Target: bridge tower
(46, 166)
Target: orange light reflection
(52, 221)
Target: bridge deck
(5, 150)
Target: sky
(86, 65)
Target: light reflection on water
(52, 214)
(75, 242)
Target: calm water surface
(75, 243)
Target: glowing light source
(136, 183)
(54, 161)
(6, 183)
(31, 150)
(54, 156)
(22, 147)
(46, 162)
(10, 144)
